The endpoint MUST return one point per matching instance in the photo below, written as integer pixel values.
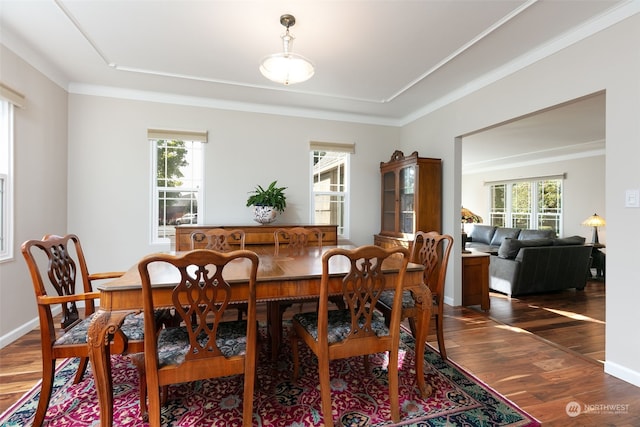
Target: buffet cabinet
(411, 193)
(254, 234)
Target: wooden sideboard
(475, 279)
(254, 234)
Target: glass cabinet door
(407, 198)
(389, 201)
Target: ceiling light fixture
(287, 67)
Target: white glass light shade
(286, 68)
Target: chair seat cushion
(132, 327)
(339, 324)
(173, 343)
(386, 298)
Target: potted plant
(266, 202)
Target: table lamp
(594, 221)
(467, 217)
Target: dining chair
(218, 239)
(432, 250)
(57, 263)
(296, 240)
(210, 347)
(223, 240)
(290, 242)
(358, 330)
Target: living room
(81, 159)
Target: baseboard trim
(622, 372)
(23, 329)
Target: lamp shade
(594, 221)
(469, 217)
(286, 68)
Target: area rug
(458, 399)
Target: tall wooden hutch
(411, 198)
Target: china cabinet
(411, 198)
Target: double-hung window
(330, 185)
(535, 203)
(177, 181)
(8, 100)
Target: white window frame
(196, 176)
(348, 150)
(6, 181)
(535, 214)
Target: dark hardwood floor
(517, 348)
(571, 319)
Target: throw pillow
(573, 240)
(503, 233)
(509, 248)
(536, 234)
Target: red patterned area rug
(458, 399)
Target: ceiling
(383, 62)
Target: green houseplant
(266, 202)
(271, 196)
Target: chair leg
(82, 368)
(440, 333)
(48, 372)
(325, 390)
(294, 355)
(138, 361)
(394, 398)
(420, 334)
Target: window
(330, 185)
(527, 204)
(6, 180)
(176, 182)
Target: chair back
(218, 239)
(296, 240)
(432, 250)
(362, 285)
(59, 261)
(199, 298)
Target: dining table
(280, 277)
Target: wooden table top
(279, 277)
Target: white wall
(608, 61)
(583, 191)
(110, 177)
(40, 165)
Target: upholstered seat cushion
(132, 327)
(482, 233)
(386, 298)
(339, 324)
(173, 343)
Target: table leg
(424, 303)
(101, 330)
(274, 324)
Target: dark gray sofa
(487, 238)
(539, 265)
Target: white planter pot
(264, 214)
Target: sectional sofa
(532, 261)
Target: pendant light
(287, 67)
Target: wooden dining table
(279, 278)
